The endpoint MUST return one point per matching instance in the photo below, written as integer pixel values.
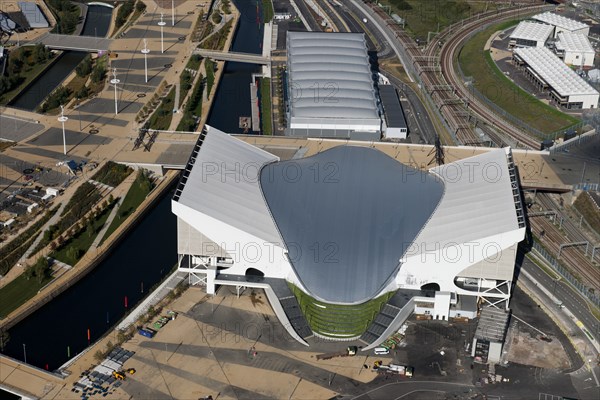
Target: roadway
(561, 289)
(308, 15)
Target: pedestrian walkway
(108, 222)
(53, 220)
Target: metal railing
(557, 267)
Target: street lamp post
(24, 354)
(162, 24)
(173, 12)
(145, 52)
(115, 81)
(79, 112)
(62, 119)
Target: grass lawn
(267, 11)
(209, 66)
(493, 84)
(28, 74)
(78, 245)
(137, 193)
(335, 320)
(423, 17)
(586, 206)
(18, 292)
(265, 106)
(161, 119)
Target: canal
(97, 23)
(97, 302)
(146, 255)
(233, 95)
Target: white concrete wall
(589, 100)
(574, 58)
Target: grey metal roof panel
(347, 215)
(328, 75)
(327, 50)
(337, 62)
(33, 14)
(348, 108)
(223, 185)
(394, 115)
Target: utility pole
(62, 119)
(162, 23)
(115, 81)
(145, 52)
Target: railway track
(435, 67)
(551, 236)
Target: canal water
(97, 23)
(97, 301)
(233, 95)
(146, 255)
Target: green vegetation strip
(71, 251)
(66, 14)
(218, 39)
(265, 106)
(11, 252)
(193, 108)
(24, 65)
(161, 119)
(267, 11)
(19, 290)
(186, 78)
(587, 207)
(209, 67)
(112, 173)
(139, 190)
(333, 320)
(423, 17)
(492, 83)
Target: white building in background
(575, 49)
(530, 34)
(330, 87)
(548, 72)
(246, 218)
(562, 24)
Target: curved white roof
(527, 30)
(223, 184)
(364, 210)
(569, 41)
(555, 72)
(338, 65)
(560, 21)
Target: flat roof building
(575, 49)
(548, 71)
(562, 24)
(530, 34)
(35, 17)
(330, 88)
(345, 227)
(394, 123)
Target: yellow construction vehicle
(118, 375)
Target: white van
(381, 350)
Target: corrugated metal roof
(33, 14)
(347, 215)
(555, 72)
(527, 30)
(324, 69)
(477, 203)
(560, 21)
(394, 115)
(223, 184)
(569, 41)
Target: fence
(556, 266)
(576, 141)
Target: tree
(4, 339)
(85, 66)
(41, 269)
